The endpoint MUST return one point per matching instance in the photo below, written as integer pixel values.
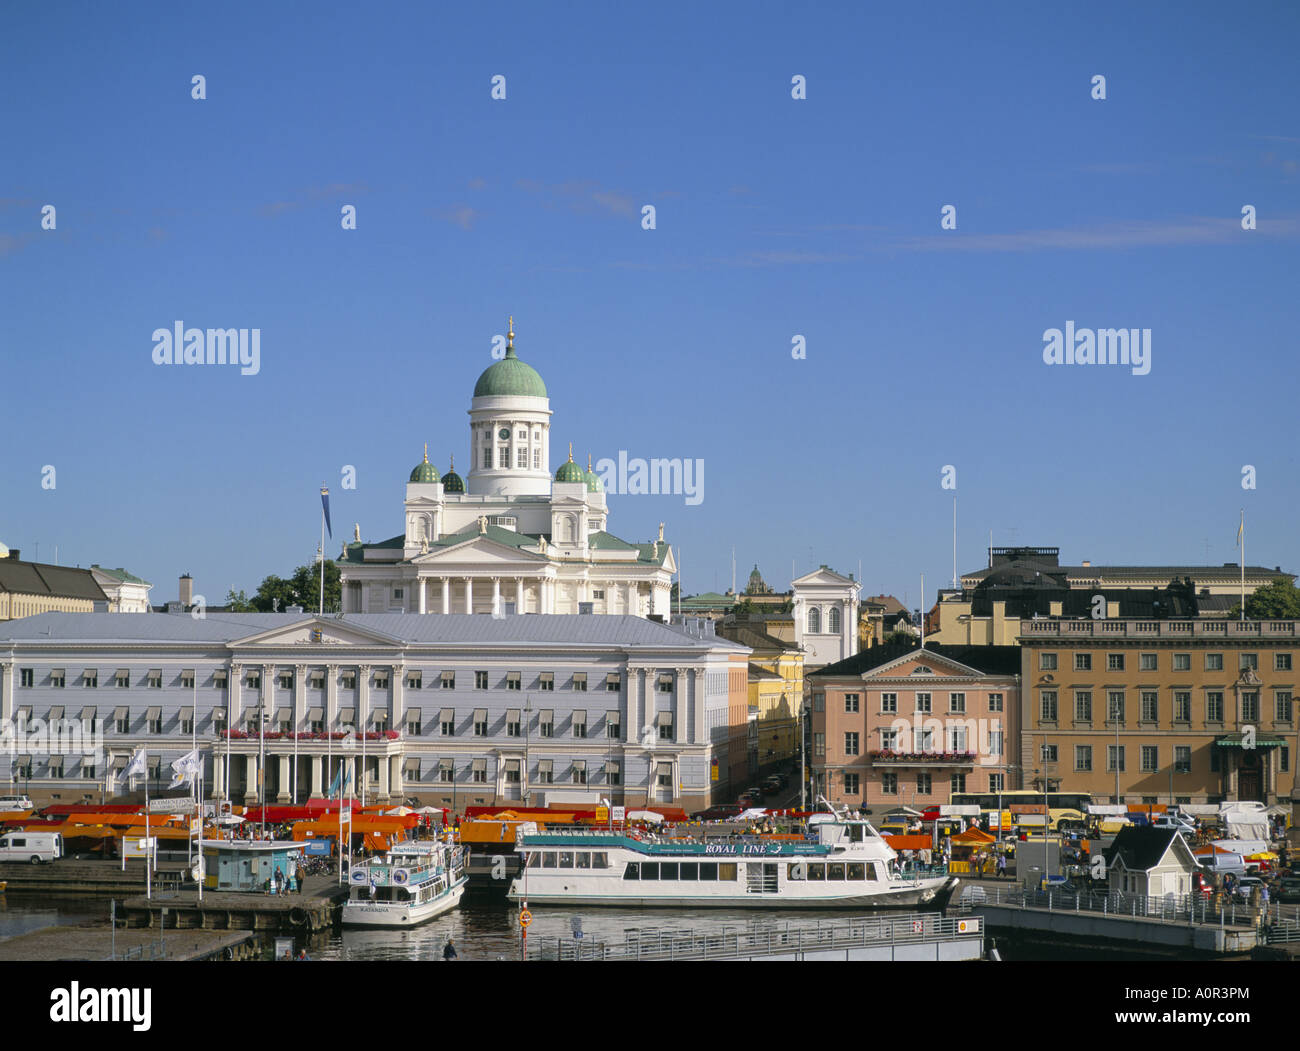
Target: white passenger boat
(412, 883)
(842, 862)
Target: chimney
(1086, 562)
(187, 590)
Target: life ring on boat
(357, 876)
(401, 876)
(916, 926)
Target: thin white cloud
(1194, 230)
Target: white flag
(186, 769)
(136, 766)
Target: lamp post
(528, 734)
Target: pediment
(317, 631)
(926, 664)
(478, 551)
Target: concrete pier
(100, 943)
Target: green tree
(1276, 600)
(238, 602)
(277, 593)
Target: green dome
(451, 481)
(569, 472)
(594, 484)
(425, 472)
(510, 377)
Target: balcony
(886, 758)
(1145, 629)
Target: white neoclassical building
(507, 538)
(826, 616)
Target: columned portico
(469, 594)
(519, 595)
(446, 595)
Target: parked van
(31, 846)
(1222, 864)
(18, 803)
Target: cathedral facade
(508, 538)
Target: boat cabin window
(599, 860)
(548, 859)
(857, 834)
(649, 870)
(708, 872)
(835, 870)
(727, 870)
(795, 870)
(873, 870)
(857, 871)
(817, 871)
(566, 859)
(690, 870)
(668, 870)
(583, 859)
(633, 870)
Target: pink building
(894, 727)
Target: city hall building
(508, 537)
(448, 711)
(1154, 711)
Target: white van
(31, 846)
(18, 803)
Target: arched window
(833, 621)
(814, 621)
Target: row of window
(704, 871)
(832, 621)
(1149, 706)
(924, 783)
(1047, 661)
(924, 703)
(1149, 755)
(153, 679)
(956, 739)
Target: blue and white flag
(186, 769)
(136, 766)
(339, 784)
(325, 504)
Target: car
(746, 801)
(755, 792)
(1288, 889)
(718, 813)
(1245, 886)
(1175, 821)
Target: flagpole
(148, 848)
(1242, 533)
(194, 747)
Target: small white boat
(412, 883)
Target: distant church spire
(510, 337)
(426, 452)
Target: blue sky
(775, 218)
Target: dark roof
(752, 637)
(991, 660)
(891, 604)
(38, 578)
(1140, 846)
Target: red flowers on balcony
(886, 756)
(277, 735)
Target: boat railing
(666, 943)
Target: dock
(897, 936)
(85, 879)
(315, 909)
(1173, 926)
(51, 944)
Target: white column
(235, 693)
(630, 598)
(218, 772)
(397, 683)
(446, 594)
(7, 696)
(634, 719)
(419, 587)
(331, 695)
(282, 796)
(250, 779)
(496, 596)
(469, 595)
(519, 595)
(701, 735)
(396, 782)
(679, 717)
(316, 763)
(383, 777)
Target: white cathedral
(507, 539)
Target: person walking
(449, 950)
(298, 878)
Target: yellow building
(1022, 584)
(29, 588)
(775, 693)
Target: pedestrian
(449, 950)
(298, 877)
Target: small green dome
(510, 376)
(425, 472)
(451, 481)
(569, 472)
(594, 484)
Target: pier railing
(1171, 908)
(667, 943)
